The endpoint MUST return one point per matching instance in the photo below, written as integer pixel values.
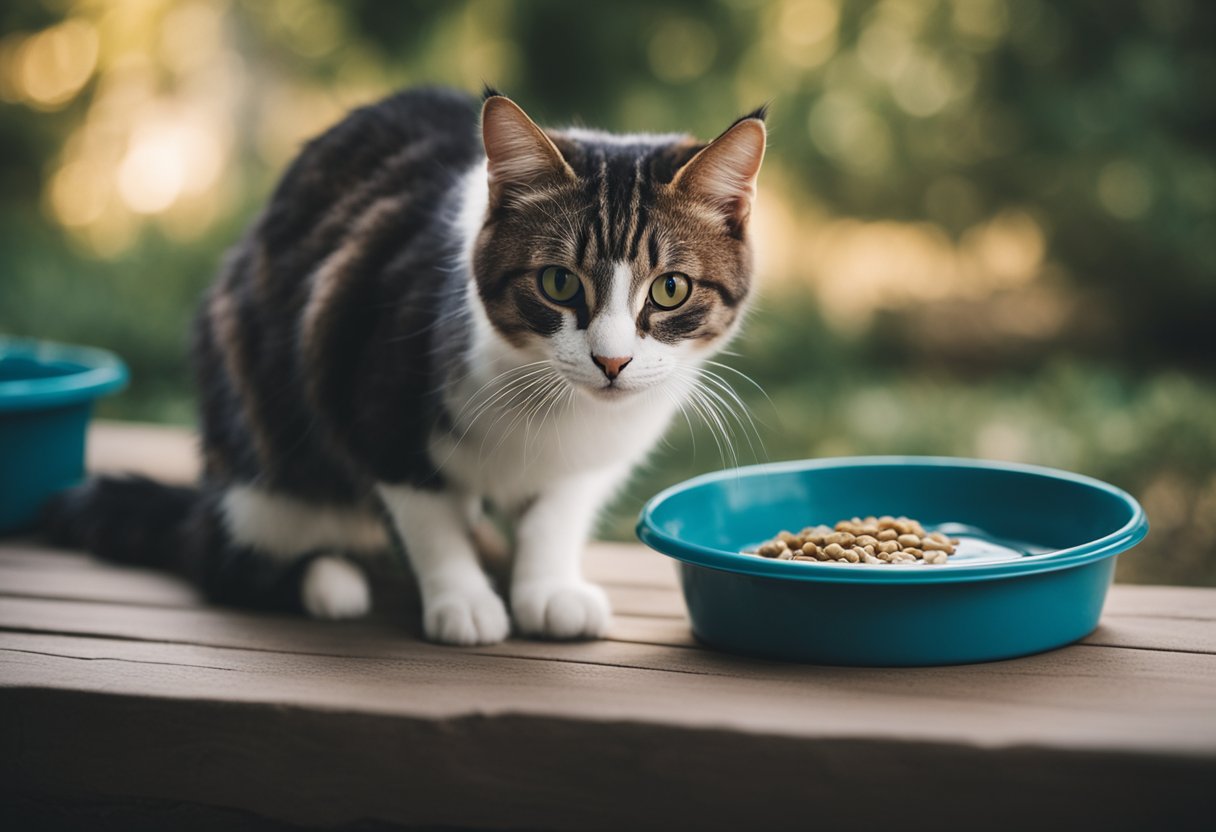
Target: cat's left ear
(724, 171)
(518, 153)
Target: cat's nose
(611, 366)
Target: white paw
(466, 617)
(561, 609)
(335, 588)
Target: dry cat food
(862, 540)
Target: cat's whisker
(735, 405)
(713, 414)
(524, 372)
(695, 401)
(502, 378)
(745, 377)
(513, 404)
(728, 411)
(530, 410)
(534, 392)
(716, 430)
(559, 390)
(507, 402)
(507, 389)
(678, 402)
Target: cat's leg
(549, 596)
(458, 604)
(271, 549)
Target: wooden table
(125, 701)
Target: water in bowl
(978, 546)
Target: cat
(436, 314)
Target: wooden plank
(1091, 694)
(185, 624)
(111, 584)
(98, 583)
(26, 570)
(640, 580)
(1197, 603)
(1148, 633)
(157, 451)
(1167, 618)
(518, 770)
(1080, 698)
(629, 564)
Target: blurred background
(985, 227)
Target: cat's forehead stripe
(619, 177)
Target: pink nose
(611, 366)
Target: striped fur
(344, 353)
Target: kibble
(871, 540)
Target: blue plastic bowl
(46, 396)
(1048, 590)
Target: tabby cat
(435, 316)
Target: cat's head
(620, 259)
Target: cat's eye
(670, 290)
(559, 285)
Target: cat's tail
(128, 519)
(138, 521)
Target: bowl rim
(101, 372)
(1123, 538)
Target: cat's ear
(724, 172)
(518, 153)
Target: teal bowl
(46, 397)
(1036, 557)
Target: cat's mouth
(610, 391)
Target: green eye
(559, 285)
(670, 290)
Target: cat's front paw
(561, 609)
(466, 618)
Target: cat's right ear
(518, 153)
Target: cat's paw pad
(467, 618)
(561, 609)
(334, 588)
